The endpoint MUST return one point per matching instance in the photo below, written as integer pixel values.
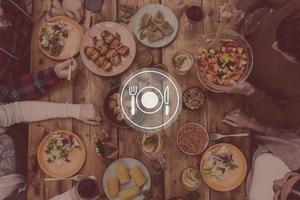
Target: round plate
(130, 163)
(205, 132)
(67, 169)
(126, 38)
(152, 9)
(231, 180)
(109, 113)
(72, 43)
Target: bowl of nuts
(192, 139)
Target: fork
(216, 136)
(74, 178)
(132, 93)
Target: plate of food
(155, 25)
(113, 111)
(193, 98)
(192, 139)
(108, 49)
(59, 37)
(126, 179)
(61, 154)
(223, 167)
(232, 62)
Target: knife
(167, 100)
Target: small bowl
(161, 68)
(200, 106)
(203, 130)
(190, 55)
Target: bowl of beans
(192, 139)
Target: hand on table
(244, 88)
(74, 9)
(238, 119)
(89, 115)
(61, 69)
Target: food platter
(223, 167)
(49, 153)
(64, 47)
(170, 19)
(129, 163)
(105, 48)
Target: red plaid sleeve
(29, 86)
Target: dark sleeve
(269, 111)
(29, 86)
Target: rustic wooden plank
(91, 88)
(176, 160)
(129, 139)
(219, 105)
(36, 188)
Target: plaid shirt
(28, 86)
(16, 83)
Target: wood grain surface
(90, 88)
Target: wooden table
(89, 88)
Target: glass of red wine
(87, 189)
(194, 15)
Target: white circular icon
(153, 96)
(149, 100)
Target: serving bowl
(226, 35)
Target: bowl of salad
(232, 62)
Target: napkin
(65, 196)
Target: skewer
(70, 66)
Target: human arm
(31, 86)
(74, 9)
(265, 108)
(32, 111)
(239, 119)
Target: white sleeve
(32, 111)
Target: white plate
(152, 10)
(130, 163)
(126, 38)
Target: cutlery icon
(132, 92)
(167, 100)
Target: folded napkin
(65, 196)
(10, 184)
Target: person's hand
(244, 88)
(73, 8)
(62, 69)
(88, 114)
(238, 119)
(234, 17)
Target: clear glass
(157, 153)
(231, 35)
